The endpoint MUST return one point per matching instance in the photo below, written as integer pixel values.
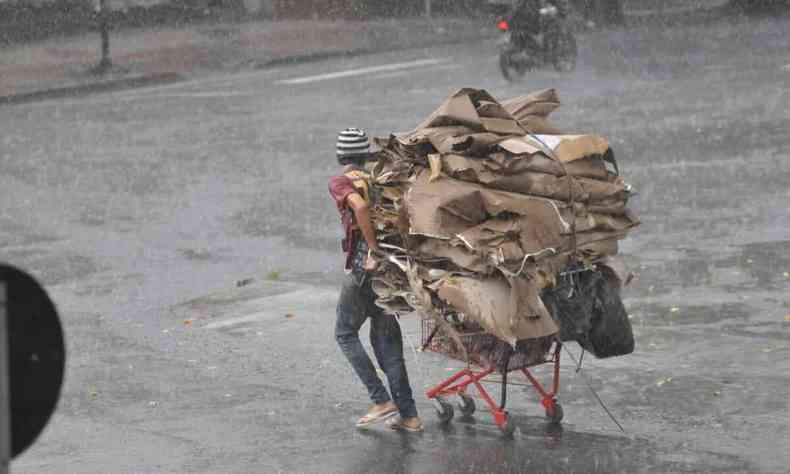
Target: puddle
(773, 332)
(664, 315)
(219, 301)
(478, 447)
(13, 233)
(767, 262)
(679, 398)
(763, 265)
(52, 269)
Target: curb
(320, 56)
(92, 88)
(313, 57)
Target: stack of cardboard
(483, 204)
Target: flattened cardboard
(568, 148)
(457, 109)
(467, 260)
(532, 111)
(511, 311)
(520, 146)
(480, 208)
(540, 103)
(447, 207)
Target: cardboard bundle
(483, 204)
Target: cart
(486, 356)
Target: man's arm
(362, 216)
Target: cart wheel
(467, 405)
(508, 428)
(444, 410)
(555, 417)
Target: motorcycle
(522, 52)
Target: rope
(587, 382)
(571, 195)
(524, 262)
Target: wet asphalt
(144, 212)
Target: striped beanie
(352, 142)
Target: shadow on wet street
(469, 446)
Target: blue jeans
(356, 304)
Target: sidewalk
(63, 66)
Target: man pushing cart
(500, 231)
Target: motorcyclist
(525, 21)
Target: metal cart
(486, 356)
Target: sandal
(398, 424)
(371, 418)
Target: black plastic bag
(586, 305)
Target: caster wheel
(557, 414)
(444, 410)
(508, 428)
(467, 405)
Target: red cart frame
(478, 369)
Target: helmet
(352, 145)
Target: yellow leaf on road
(663, 381)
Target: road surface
(142, 210)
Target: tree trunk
(104, 30)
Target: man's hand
(370, 263)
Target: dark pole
(104, 28)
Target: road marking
(195, 95)
(360, 71)
(385, 75)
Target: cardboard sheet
(532, 111)
(476, 109)
(446, 207)
(511, 311)
(568, 148)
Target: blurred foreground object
(32, 360)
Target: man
(357, 300)
(525, 21)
